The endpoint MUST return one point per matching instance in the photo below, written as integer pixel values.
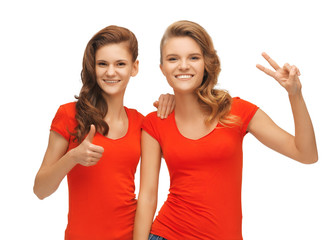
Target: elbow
(38, 193)
(309, 159)
(41, 197)
(42, 189)
(148, 199)
(37, 189)
(307, 162)
(307, 156)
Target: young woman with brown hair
(95, 142)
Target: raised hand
(287, 76)
(165, 105)
(88, 154)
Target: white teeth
(184, 76)
(110, 81)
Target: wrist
(72, 157)
(295, 96)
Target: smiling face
(182, 64)
(114, 67)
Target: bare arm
(57, 163)
(301, 147)
(148, 193)
(55, 166)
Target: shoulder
(64, 120)
(244, 110)
(153, 119)
(153, 125)
(239, 106)
(68, 108)
(152, 116)
(150, 120)
(237, 101)
(134, 114)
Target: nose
(184, 65)
(110, 70)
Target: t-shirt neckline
(190, 139)
(129, 124)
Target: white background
(41, 49)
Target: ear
(162, 69)
(134, 71)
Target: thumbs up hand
(88, 154)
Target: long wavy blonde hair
(215, 102)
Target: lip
(109, 81)
(184, 76)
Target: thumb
(287, 67)
(91, 133)
(293, 71)
(156, 104)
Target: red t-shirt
(204, 200)
(102, 201)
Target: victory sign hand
(287, 76)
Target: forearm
(49, 178)
(146, 208)
(305, 141)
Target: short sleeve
(60, 123)
(136, 116)
(245, 110)
(150, 125)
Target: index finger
(270, 61)
(163, 105)
(266, 70)
(96, 148)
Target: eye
(172, 59)
(121, 64)
(101, 64)
(195, 58)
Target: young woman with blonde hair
(201, 142)
(95, 142)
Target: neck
(187, 106)
(116, 109)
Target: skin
(183, 65)
(300, 147)
(190, 121)
(113, 63)
(164, 105)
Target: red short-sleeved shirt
(102, 201)
(204, 200)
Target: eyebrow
(174, 54)
(171, 55)
(119, 60)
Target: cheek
(201, 68)
(167, 71)
(128, 72)
(125, 74)
(99, 72)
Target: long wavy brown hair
(91, 107)
(215, 102)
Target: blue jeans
(155, 237)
